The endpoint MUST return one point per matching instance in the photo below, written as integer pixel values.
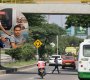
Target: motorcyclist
(41, 65)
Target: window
(86, 50)
(55, 56)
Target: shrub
(25, 52)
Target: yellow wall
(57, 1)
(45, 1)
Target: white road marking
(27, 69)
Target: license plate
(41, 70)
(67, 63)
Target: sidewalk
(15, 69)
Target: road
(31, 74)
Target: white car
(52, 58)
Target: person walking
(56, 65)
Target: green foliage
(35, 19)
(78, 20)
(67, 41)
(26, 52)
(74, 41)
(50, 50)
(53, 29)
(46, 32)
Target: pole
(0, 57)
(48, 18)
(1, 1)
(37, 54)
(15, 1)
(57, 44)
(0, 53)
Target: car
(52, 58)
(68, 61)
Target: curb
(15, 69)
(2, 72)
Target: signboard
(73, 50)
(81, 31)
(37, 43)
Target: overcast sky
(58, 19)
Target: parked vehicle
(52, 58)
(68, 61)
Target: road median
(10, 68)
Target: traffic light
(6, 18)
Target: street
(31, 74)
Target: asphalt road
(31, 74)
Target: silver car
(52, 58)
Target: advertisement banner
(81, 31)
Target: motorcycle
(42, 72)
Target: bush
(26, 52)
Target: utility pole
(0, 52)
(57, 44)
(1, 1)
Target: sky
(57, 19)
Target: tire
(50, 64)
(42, 75)
(74, 67)
(63, 67)
(82, 79)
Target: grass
(20, 63)
(2, 51)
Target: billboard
(6, 18)
(72, 50)
(81, 31)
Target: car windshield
(55, 56)
(68, 58)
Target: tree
(78, 20)
(67, 41)
(26, 52)
(35, 19)
(47, 34)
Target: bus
(84, 60)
